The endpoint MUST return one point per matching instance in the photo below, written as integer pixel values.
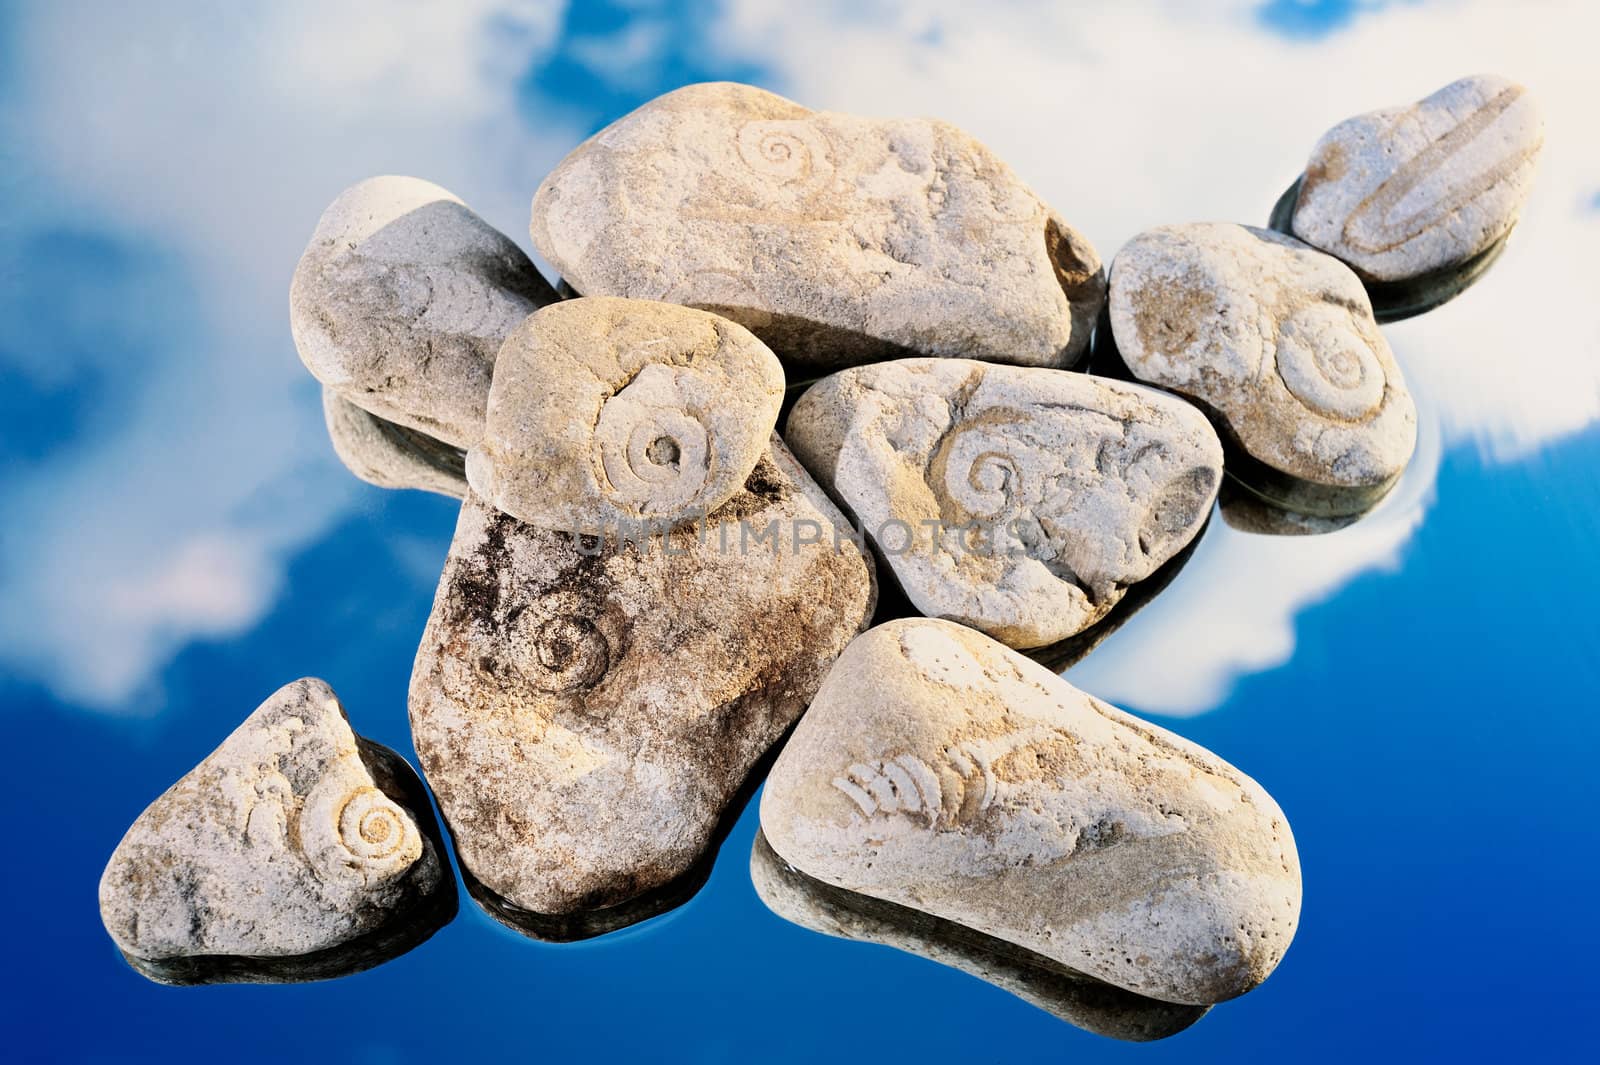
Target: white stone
(834, 238)
(401, 301)
(1274, 337)
(1405, 191)
(1017, 500)
(939, 770)
(584, 719)
(389, 455)
(280, 843)
(605, 411)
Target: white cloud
(1125, 117)
(220, 136)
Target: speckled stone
(1082, 1001)
(401, 301)
(585, 712)
(940, 770)
(835, 239)
(389, 455)
(605, 411)
(292, 839)
(1278, 342)
(1405, 191)
(1021, 501)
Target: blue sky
(181, 540)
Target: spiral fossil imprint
(783, 151)
(354, 831)
(1328, 365)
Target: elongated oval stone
(586, 712)
(296, 842)
(401, 301)
(389, 455)
(1082, 1001)
(835, 239)
(942, 771)
(1020, 501)
(1277, 341)
(1406, 191)
(606, 410)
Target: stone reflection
(391, 455)
(1082, 1001)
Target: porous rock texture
(291, 838)
(606, 411)
(402, 299)
(942, 771)
(1277, 340)
(836, 239)
(1405, 191)
(585, 711)
(389, 455)
(1020, 501)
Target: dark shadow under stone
(1081, 1000)
(1394, 301)
(430, 909)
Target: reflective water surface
(1417, 689)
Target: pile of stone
(649, 587)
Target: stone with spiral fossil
(587, 711)
(295, 850)
(837, 239)
(941, 771)
(607, 411)
(401, 301)
(1021, 501)
(1277, 341)
(1410, 192)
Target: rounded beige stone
(836, 239)
(401, 301)
(942, 771)
(608, 411)
(1020, 501)
(1405, 191)
(1273, 337)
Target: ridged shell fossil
(1277, 341)
(1023, 502)
(292, 851)
(607, 411)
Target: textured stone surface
(1404, 191)
(585, 719)
(942, 771)
(389, 455)
(293, 837)
(607, 410)
(1276, 339)
(1035, 497)
(1090, 1004)
(836, 239)
(402, 300)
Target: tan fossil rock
(606, 411)
(402, 299)
(1406, 191)
(836, 239)
(294, 838)
(1018, 500)
(940, 770)
(585, 712)
(389, 455)
(1278, 341)
(1080, 1000)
